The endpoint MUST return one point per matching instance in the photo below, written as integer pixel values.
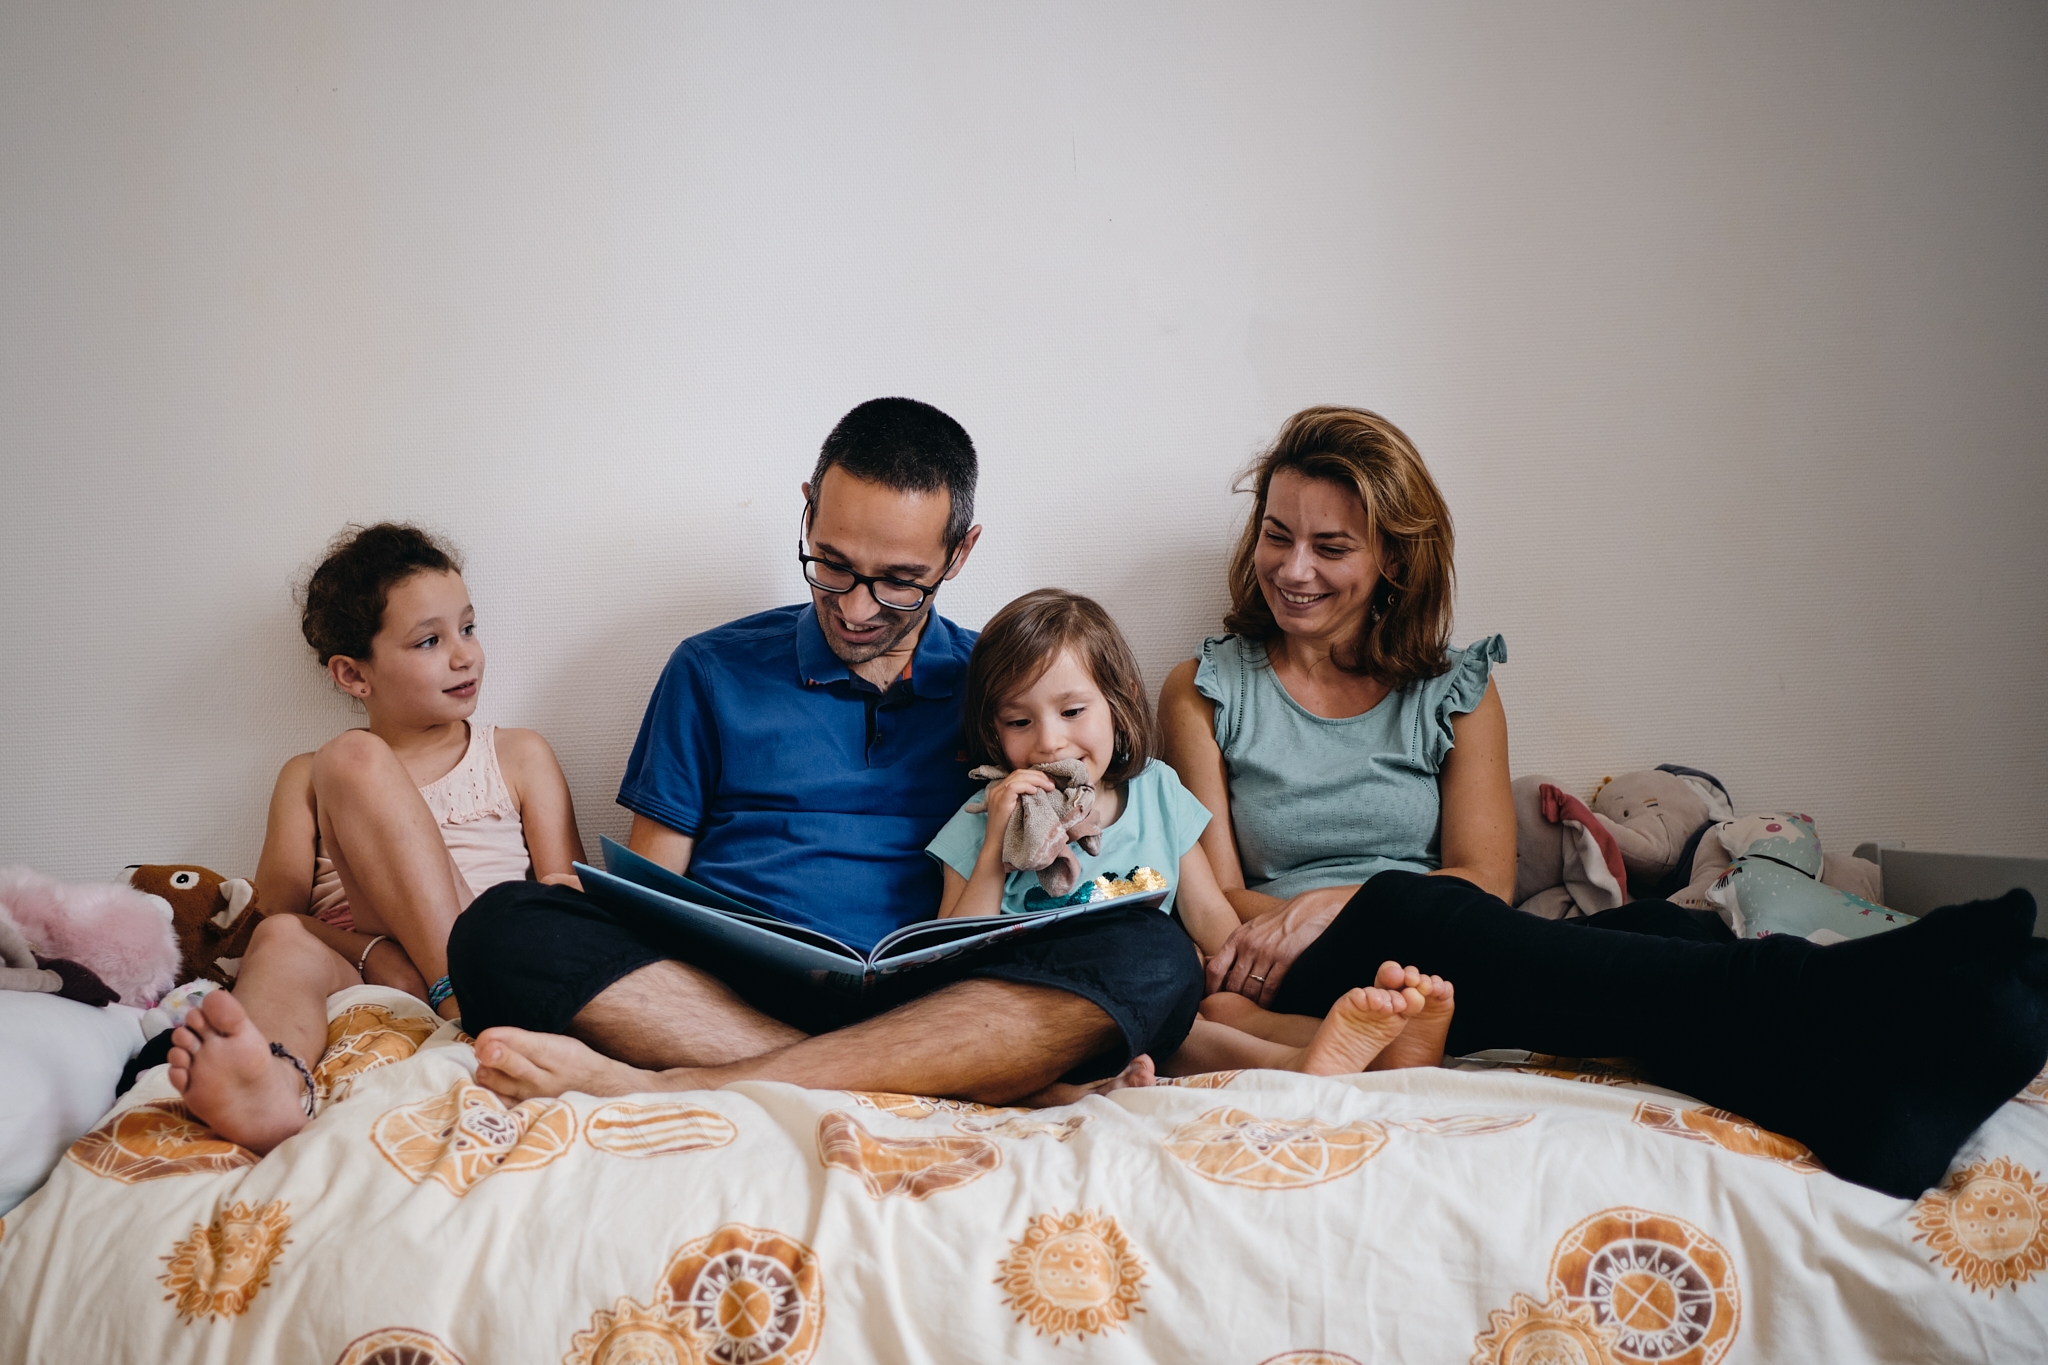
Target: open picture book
(697, 921)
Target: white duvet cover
(1491, 1216)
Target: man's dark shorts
(532, 956)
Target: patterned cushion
(1760, 896)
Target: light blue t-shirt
(1160, 821)
(1319, 802)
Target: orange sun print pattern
(914, 1167)
(1232, 1147)
(466, 1135)
(362, 1038)
(1988, 1224)
(741, 1296)
(1072, 1274)
(397, 1346)
(216, 1269)
(153, 1141)
(1730, 1132)
(1530, 1333)
(1667, 1289)
(664, 1128)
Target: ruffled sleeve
(1220, 671)
(1456, 692)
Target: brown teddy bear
(214, 916)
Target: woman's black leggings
(1882, 1054)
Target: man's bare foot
(1234, 1011)
(1422, 1042)
(1140, 1072)
(521, 1065)
(1360, 1027)
(222, 1064)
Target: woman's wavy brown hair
(1022, 640)
(1406, 633)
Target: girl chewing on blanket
(1053, 679)
(378, 840)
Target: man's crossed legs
(563, 997)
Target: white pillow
(59, 1064)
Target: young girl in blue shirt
(1052, 678)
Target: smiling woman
(1356, 767)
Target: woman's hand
(568, 879)
(1256, 958)
(1003, 795)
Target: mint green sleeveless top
(1317, 802)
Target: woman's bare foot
(222, 1064)
(1234, 1011)
(521, 1065)
(1422, 1042)
(1140, 1072)
(1364, 1023)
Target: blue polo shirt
(809, 791)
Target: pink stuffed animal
(124, 936)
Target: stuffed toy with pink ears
(119, 934)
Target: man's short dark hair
(910, 446)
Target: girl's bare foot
(1140, 1072)
(1422, 1042)
(222, 1064)
(1364, 1023)
(520, 1065)
(1234, 1011)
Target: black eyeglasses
(897, 594)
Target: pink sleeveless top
(479, 823)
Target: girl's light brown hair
(1021, 641)
(1406, 633)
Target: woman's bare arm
(284, 870)
(545, 810)
(1478, 811)
(1187, 737)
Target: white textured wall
(1724, 327)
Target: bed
(1508, 1209)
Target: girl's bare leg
(388, 850)
(1357, 1029)
(1211, 1046)
(1233, 1010)
(220, 1058)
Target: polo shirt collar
(935, 668)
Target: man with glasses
(800, 760)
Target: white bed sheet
(1438, 1215)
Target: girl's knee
(284, 935)
(350, 754)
